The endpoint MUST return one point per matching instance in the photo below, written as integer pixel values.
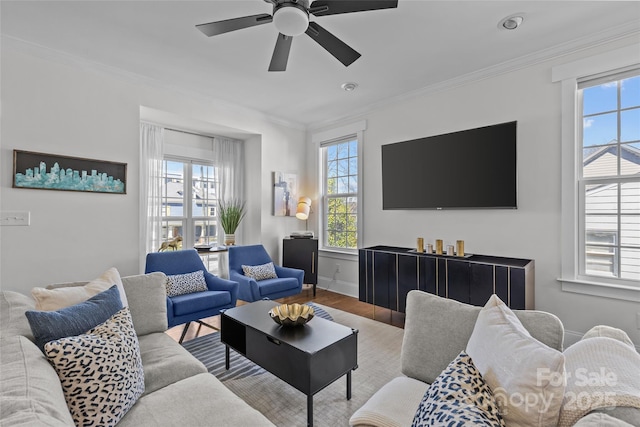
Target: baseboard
(338, 286)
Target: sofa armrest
(290, 272)
(215, 283)
(247, 287)
(147, 296)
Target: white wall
(532, 231)
(61, 105)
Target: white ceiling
(420, 44)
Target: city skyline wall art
(55, 172)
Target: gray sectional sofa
(178, 389)
(437, 329)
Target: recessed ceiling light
(349, 86)
(511, 22)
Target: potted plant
(230, 213)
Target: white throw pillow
(188, 283)
(55, 299)
(526, 376)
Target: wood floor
(323, 297)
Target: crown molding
(18, 45)
(574, 46)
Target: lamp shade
(304, 207)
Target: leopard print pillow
(181, 284)
(101, 371)
(260, 272)
(458, 397)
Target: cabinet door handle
(273, 340)
(313, 262)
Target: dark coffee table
(308, 357)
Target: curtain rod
(187, 132)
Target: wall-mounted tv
(474, 168)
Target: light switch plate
(15, 218)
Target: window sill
(626, 293)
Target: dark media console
(387, 274)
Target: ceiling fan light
(291, 20)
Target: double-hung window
(189, 204)
(609, 176)
(600, 221)
(340, 192)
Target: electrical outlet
(15, 218)
(338, 271)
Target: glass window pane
(601, 199)
(630, 92)
(630, 159)
(630, 263)
(343, 151)
(332, 169)
(353, 184)
(598, 99)
(353, 148)
(630, 230)
(630, 125)
(171, 230)
(600, 130)
(352, 240)
(600, 162)
(343, 167)
(601, 261)
(630, 198)
(353, 166)
(352, 223)
(601, 224)
(343, 185)
(332, 152)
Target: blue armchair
(221, 294)
(289, 281)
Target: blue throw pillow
(75, 320)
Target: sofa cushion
(165, 361)
(427, 351)
(459, 396)
(260, 272)
(187, 283)
(526, 376)
(601, 420)
(394, 405)
(30, 391)
(147, 299)
(192, 303)
(100, 371)
(13, 306)
(64, 295)
(201, 400)
(75, 320)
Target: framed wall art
(285, 193)
(54, 172)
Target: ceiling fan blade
(334, 7)
(332, 44)
(281, 53)
(221, 27)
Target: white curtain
(228, 155)
(151, 156)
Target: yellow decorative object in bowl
(291, 314)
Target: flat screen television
(474, 168)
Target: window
(189, 204)
(609, 176)
(340, 189)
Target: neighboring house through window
(601, 174)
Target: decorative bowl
(291, 314)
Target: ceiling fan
(291, 18)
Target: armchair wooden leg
(184, 332)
